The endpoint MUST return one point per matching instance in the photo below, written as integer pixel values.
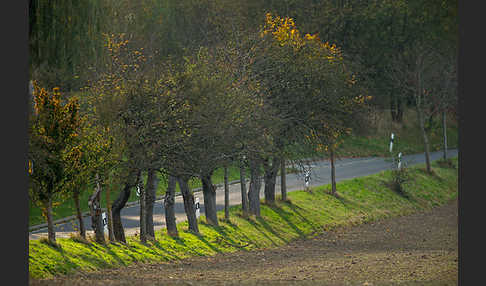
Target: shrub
(399, 178)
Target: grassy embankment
(306, 214)
(408, 140)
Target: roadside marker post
(104, 220)
(399, 160)
(307, 178)
(197, 208)
(391, 142)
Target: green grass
(306, 214)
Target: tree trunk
(143, 211)
(111, 236)
(95, 211)
(209, 193)
(169, 201)
(51, 234)
(425, 137)
(396, 109)
(399, 111)
(393, 111)
(150, 190)
(254, 190)
(226, 193)
(116, 208)
(189, 207)
(270, 179)
(420, 111)
(333, 173)
(79, 215)
(444, 130)
(283, 181)
(244, 195)
(111, 233)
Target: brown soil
(419, 249)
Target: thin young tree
(413, 71)
(443, 93)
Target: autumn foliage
(254, 95)
(53, 127)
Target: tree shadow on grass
(201, 238)
(270, 229)
(133, 246)
(296, 209)
(64, 268)
(352, 205)
(224, 238)
(284, 215)
(126, 250)
(91, 258)
(170, 256)
(205, 241)
(114, 255)
(180, 241)
(256, 224)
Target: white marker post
(197, 208)
(391, 141)
(307, 178)
(104, 220)
(399, 160)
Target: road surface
(346, 168)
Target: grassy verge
(306, 214)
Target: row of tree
(181, 88)
(246, 101)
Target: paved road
(346, 168)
